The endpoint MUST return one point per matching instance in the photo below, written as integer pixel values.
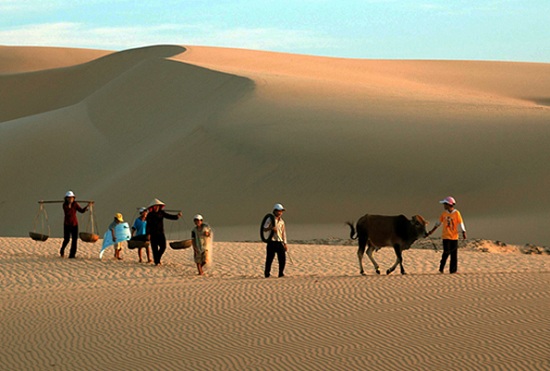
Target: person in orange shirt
(452, 222)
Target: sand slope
(90, 314)
(18, 59)
(229, 132)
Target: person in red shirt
(70, 224)
(451, 219)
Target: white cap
(142, 209)
(69, 194)
(198, 217)
(279, 207)
(448, 200)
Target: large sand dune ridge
(228, 132)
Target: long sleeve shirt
(155, 221)
(70, 213)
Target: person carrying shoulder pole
(139, 233)
(277, 243)
(155, 228)
(70, 223)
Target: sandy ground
(62, 314)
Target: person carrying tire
(276, 240)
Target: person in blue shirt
(139, 233)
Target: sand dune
(91, 314)
(228, 132)
(18, 59)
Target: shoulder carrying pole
(60, 202)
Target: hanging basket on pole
(41, 228)
(137, 242)
(181, 243)
(90, 235)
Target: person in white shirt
(201, 237)
(277, 243)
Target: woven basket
(88, 237)
(179, 245)
(134, 244)
(38, 236)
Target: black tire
(262, 233)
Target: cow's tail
(352, 232)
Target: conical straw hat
(156, 201)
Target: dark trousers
(158, 246)
(450, 247)
(272, 248)
(69, 232)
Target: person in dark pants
(451, 219)
(277, 244)
(139, 233)
(450, 248)
(70, 224)
(155, 228)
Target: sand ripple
(90, 314)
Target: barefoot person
(277, 244)
(155, 228)
(70, 224)
(201, 237)
(139, 233)
(451, 219)
(118, 244)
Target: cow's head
(419, 224)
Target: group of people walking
(149, 227)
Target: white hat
(279, 207)
(448, 200)
(142, 209)
(198, 217)
(156, 202)
(69, 194)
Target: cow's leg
(398, 260)
(401, 261)
(402, 248)
(369, 254)
(360, 253)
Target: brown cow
(378, 231)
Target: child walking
(202, 243)
(452, 222)
(118, 245)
